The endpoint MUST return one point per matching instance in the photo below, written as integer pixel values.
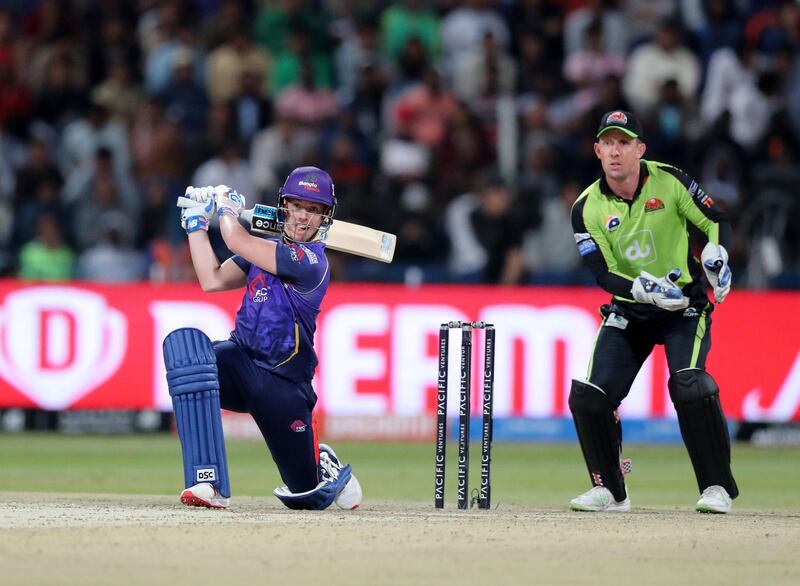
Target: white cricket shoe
(204, 495)
(351, 495)
(715, 499)
(597, 499)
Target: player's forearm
(205, 262)
(234, 235)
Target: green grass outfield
(535, 475)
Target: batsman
(631, 230)
(266, 366)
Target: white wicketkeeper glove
(662, 292)
(228, 201)
(715, 264)
(197, 217)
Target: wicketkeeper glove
(662, 292)
(715, 264)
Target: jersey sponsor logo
(298, 252)
(257, 289)
(581, 236)
(586, 247)
(638, 248)
(298, 426)
(699, 195)
(617, 117)
(653, 205)
(612, 223)
(616, 321)
(690, 312)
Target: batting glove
(661, 292)
(228, 201)
(197, 217)
(715, 265)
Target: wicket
(484, 495)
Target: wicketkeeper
(630, 228)
(266, 366)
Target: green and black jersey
(619, 238)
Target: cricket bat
(341, 236)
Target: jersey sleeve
(595, 251)
(242, 263)
(699, 208)
(304, 265)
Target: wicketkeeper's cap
(310, 184)
(620, 120)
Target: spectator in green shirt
(46, 257)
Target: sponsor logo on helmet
(653, 205)
(612, 223)
(309, 183)
(298, 426)
(617, 118)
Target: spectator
(227, 65)
(485, 236)
(307, 102)
(156, 143)
(483, 74)
(405, 20)
(276, 22)
(728, 70)
(427, 108)
(613, 23)
(548, 254)
(82, 139)
(112, 259)
(228, 167)
(274, 152)
(119, 92)
(185, 99)
(653, 63)
(46, 257)
(465, 28)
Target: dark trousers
(282, 410)
(620, 352)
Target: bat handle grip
(185, 202)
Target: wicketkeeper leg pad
(599, 436)
(318, 498)
(194, 387)
(705, 432)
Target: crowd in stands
(463, 126)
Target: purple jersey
(275, 324)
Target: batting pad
(194, 387)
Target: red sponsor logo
(256, 285)
(597, 478)
(617, 117)
(296, 253)
(298, 426)
(653, 204)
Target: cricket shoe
(204, 495)
(599, 499)
(329, 464)
(715, 499)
